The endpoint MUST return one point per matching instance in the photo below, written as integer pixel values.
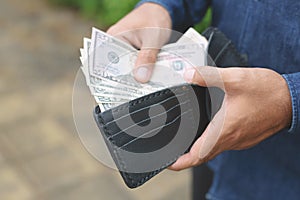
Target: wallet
(148, 134)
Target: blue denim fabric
(268, 31)
(293, 81)
(183, 13)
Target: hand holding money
(108, 65)
(149, 42)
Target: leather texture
(120, 142)
(172, 107)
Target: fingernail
(142, 73)
(189, 75)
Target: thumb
(206, 76)
(144, 64)
(206, 147)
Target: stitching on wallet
(172, 108)
(148, 175)
(163, 101)
(142, 99)
(165, 125)
(115, 151)
(122, 164)
(222, 50)
(231, 48)
(151, 174)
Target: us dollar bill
(107, 93)
(93, 82)
(112, 59)
(192, 36)
(107, 64)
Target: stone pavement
(41, 156)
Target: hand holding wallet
(148, 134)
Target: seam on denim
(293, 94)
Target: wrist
(159, 15)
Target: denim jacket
(268, 31)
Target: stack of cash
(108, 62)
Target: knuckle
(235, 79)
(113, 30)
(147, 54)
(116, 29)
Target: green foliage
(108, 12)
(206, 22)
(105, 12)
(90, 8)
(113, 10)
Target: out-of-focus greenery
(108, 12)
(104, 12)
(206, 21)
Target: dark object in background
(223, 53)
(201, 181)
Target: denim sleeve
(184, 13)
(293, 81)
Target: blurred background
(41, 156)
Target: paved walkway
(41, 156)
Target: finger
(127, 36)
(206, 76)
(187, 160)
(144, 64)
(211, 140)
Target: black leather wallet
(148, 134)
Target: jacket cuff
(293, 81)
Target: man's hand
(256, 105)
(146, 28)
